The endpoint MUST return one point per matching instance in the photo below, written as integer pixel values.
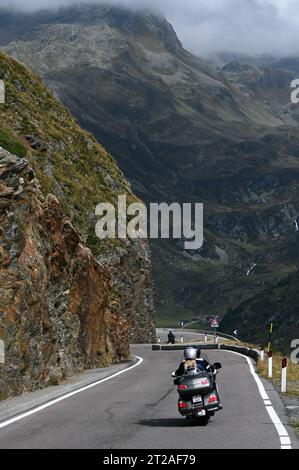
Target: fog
(207, 26)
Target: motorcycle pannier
(192, 384)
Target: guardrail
(201, 332)
(181, 347)
(253, 353)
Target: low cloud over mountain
(250, 26)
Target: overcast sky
(204, 26)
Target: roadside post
(182, 339)
(2, 352)
(2, 92)
(284, 367)
(270, 336)
(270, 364)
(159, 340)
(262, 354)
(206, 338)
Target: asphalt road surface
(138, 409)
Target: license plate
(197, 399)
(201, 413)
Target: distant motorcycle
(171, 339)
(198, 398)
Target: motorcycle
(198, 396)
(171, 340)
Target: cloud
(245, 26)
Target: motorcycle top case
(191, 384)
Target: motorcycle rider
(193, 360)
(171, 338)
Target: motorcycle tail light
(182, 387)
(212, 398)
(182, 404)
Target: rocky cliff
(54, 310)
(68, 300)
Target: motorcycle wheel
(203, 420)
(191, 421)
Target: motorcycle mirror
(217, 365)
(173, 374)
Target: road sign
(214, 324)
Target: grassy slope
(279, 305)
(70, 163)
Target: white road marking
(9, 421)
(284, 437)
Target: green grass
(295, 424)
(11, 143)
(79, 170)
(292, 374)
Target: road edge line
(50, 403)
(284, 437)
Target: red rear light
(182, 404)
(182, 387)
(212, 399)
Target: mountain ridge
(183, 130)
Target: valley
(183, 129)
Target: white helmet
(190, 353)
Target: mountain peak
(148, 25)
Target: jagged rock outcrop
(130, 267)
(73, 166)
(55, 316)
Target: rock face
(73, 166)
(54, 311)
(130, 267)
